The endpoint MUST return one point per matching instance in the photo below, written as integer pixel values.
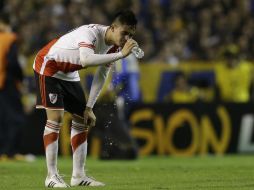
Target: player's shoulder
(95, 28)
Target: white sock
(79, 148)
(50, 138)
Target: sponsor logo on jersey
(52, 98)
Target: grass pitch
(158, 173)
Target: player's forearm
(97, 84)
(89, 59)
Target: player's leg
(75, 103)
(50, 97)
(79, 145)
(79, 134)
(50, 139)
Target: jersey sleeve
(97, 85)
(88, 58)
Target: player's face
(122, 33)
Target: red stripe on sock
(49, 138)
(78, 140)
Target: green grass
(161, 173)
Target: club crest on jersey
(52, 98)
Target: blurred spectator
(124, 83)
(182, 92)
(125, 79)
(11, 112)
(234, 77)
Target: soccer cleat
(85, 181)
(55, 181)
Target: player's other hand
(89, 117)
(130, 43)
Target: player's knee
(55, 115)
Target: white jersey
(61, 57)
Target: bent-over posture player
(56, 72)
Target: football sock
(50, 139)
(79, 148)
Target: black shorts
(56, 94)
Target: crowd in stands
(169, 30)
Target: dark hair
(126, 17)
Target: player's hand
(130, 43)
(89, 117)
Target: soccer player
(56, 72)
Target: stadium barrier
(191, 129)
(162, 129)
